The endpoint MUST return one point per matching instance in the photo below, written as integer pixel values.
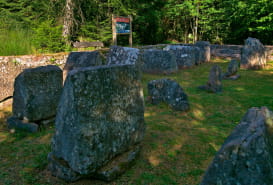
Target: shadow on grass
(177, 147)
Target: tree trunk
(68, 23)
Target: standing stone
(186, 56)
(214, 83)
(246, 157)
(205, 50)
(123, 55)
(233, 67)
(253, 54)
(81, 59)
(159, 61)
(36, 94)
(100, 119)
(170, 92)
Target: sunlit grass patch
(177, 147)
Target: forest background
(38, 26)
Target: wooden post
(114, 31)
(131, 32)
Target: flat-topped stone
(123, 55)
(159, 61)
(186, 56)
(100, 116)
(36, 93)
(205, 50)
(81, 59)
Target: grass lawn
(177, 148)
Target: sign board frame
(122, 26)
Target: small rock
(170, 92)
(214, 83)
(15, 123)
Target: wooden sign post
(122, 26)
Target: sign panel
(122, 25)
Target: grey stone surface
(205, 50)
(124, 55)
(232, 69)
(186, 56)
(246, 157)
(36, 93)
(170, 92)
(100, 116)
(253, 54)
(77, 60)
(214, 83)
(159, 61)
(118, 166)
(15, 123)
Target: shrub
(48, 37)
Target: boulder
(159, 61)
(214, 83)
(81, 59)
(232, 69)
(253, 54)
(186, 56)
(14, 122)
(100, 117)
(170, 92)
(246, 157)
(205, 50)
(36, 93)
(123, 55)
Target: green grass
(15, 42)
(177, 148)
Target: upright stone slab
(100, 117)
(246, 157)
(36, 94)
(159, 61)
(186, 56)
(253, 54)
(170, 92)
(232, 69)
(123, 55)
(214, 83)
(81, 59)
(205, 50)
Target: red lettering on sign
(122, 19)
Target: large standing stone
(170, 92)
(123, 55)
(186, 56)
(100, 116)
(232, 69)
(159, 61)
(246, 156)
(205, 50)
(214, 83)
(36, 93)
(253, 54)
(81, 59)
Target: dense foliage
(155, 21)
